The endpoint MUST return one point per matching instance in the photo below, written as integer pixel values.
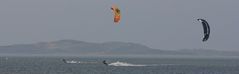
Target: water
(93, 65)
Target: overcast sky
(161, 24)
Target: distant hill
(81, 48)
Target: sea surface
(117, 65)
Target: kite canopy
(206, 29)
(116, 12)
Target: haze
(161, 24)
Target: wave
(124, 64)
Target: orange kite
(116, 12)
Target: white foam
(79, 62)
(72, 61)
(124, 64)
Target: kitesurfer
(105, 63)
